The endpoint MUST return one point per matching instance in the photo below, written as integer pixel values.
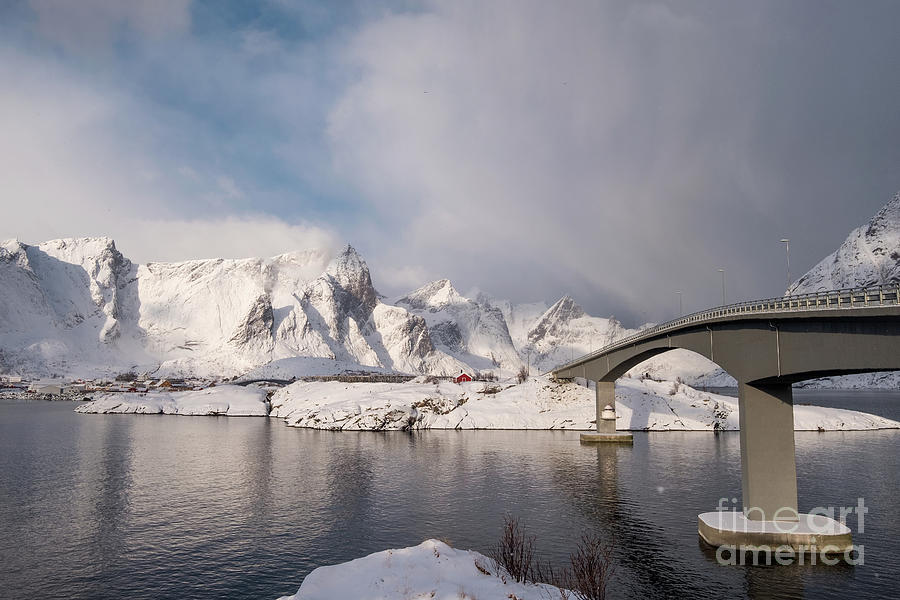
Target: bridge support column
(605, 396)
(606, 417)
(768, 464)
(769, 520)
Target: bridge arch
(766, 350)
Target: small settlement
(19, 386)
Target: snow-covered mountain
(869, 256)
(61, 299)
(78, 306)
(475, 332)
(564, 331)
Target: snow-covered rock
(539, 403)
(564, 331)
(228, 400)
(869, 256)
(62, 299)
(430, 570)
(472, 331)
(519, 317)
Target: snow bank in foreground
(537, 404)
(230, 400)
(430, 570)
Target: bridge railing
(882, 295)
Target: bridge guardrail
(836, 299)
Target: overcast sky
(614, 151)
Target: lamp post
(680, 305)
(722, 271)
(787, 248)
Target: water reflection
(109, 496)
(95, 506)
(645, 552)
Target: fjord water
(128, 506)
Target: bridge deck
(854, 301)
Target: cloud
(613, 150)
(93, 25)
(90, 165)
(253, 235)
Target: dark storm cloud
(623, 151)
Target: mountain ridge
(78, 306)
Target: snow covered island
(539, 403)
(430, 570)
(228, 400)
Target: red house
(462, 377)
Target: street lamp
(722, 271)
(787, 248)
(680, 305)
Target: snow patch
(430, 570)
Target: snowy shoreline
(537, 404)
(223, 400)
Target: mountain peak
(869, 256)
(348, 266)
(565, 309)
(556, 317)
(351, 273)
(436, 294)
(886, 219)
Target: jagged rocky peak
(351, 273)
(14, 251)
(561, 313)
(886, 220)
(869, 256)
(435, 295)
(93, 246)
(564, 310)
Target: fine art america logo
(818, 523)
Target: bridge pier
(768, 462)
(605, 404)
(770, 519)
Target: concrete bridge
(766, 345)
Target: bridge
(766, 345)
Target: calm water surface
(112, 506)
